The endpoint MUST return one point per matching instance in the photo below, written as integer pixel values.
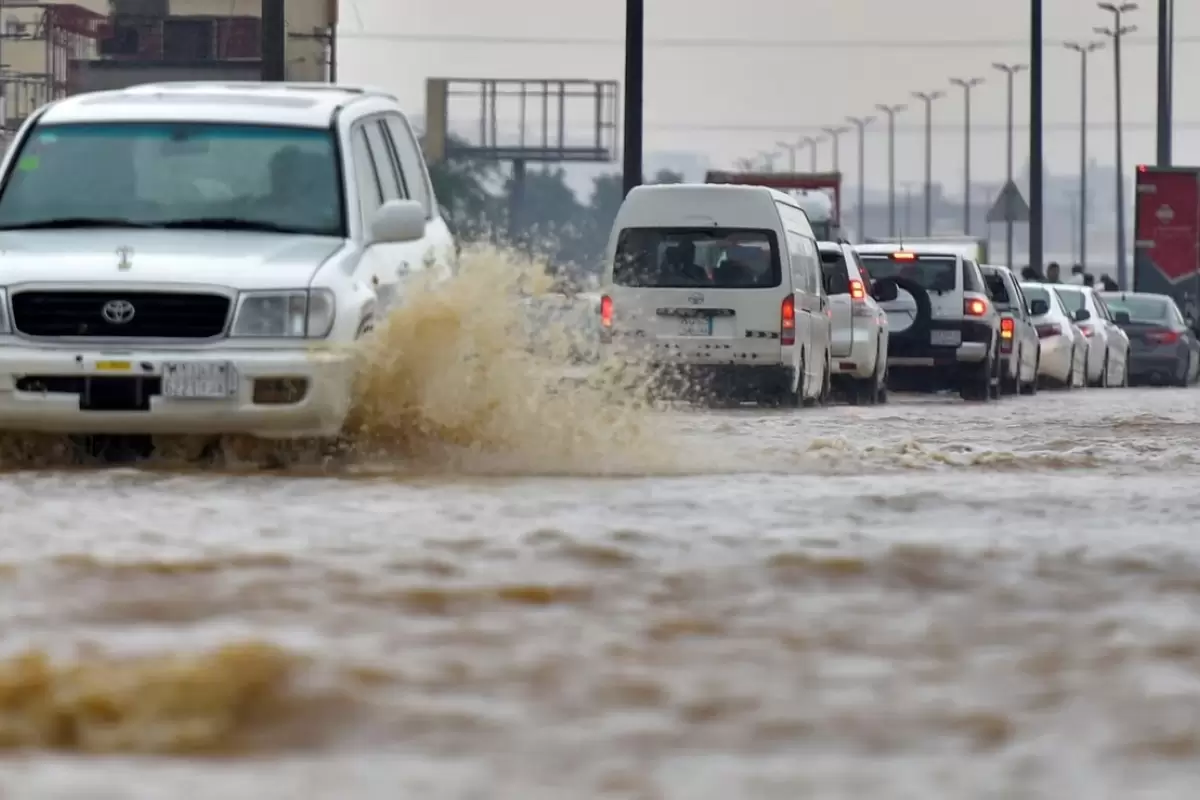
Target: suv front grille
(155, 315)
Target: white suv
(193, 258)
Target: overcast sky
(815, 62)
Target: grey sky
(692, 91)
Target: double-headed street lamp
(835, 134)
(861, 124)
(790, 149)
(1010, 71)
(966, 84)
(890, 112)
(1084, 50)
(927, 98)
(1116, 32)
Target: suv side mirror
(1038, 307)
(1121, 317)
(1081, 315)
(397, 222)
(885, 291)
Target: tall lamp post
(861, 124)
(966, 84)
(811, 143)
(890, 112)
(1116, 32)
(768, 159)
(835, 134)
(1010, 71)
(927, 98)
(1084, 50)
(635, 55)
(1166, 78)
(790, 149)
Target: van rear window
(685, 258)
(931, 273)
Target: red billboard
(1167, 238)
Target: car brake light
(1007, 327)
(1049, 330)
(1163, 337)
(606, 311)
(787, 321)
(975, 307)
(904, 255)
(857, 290)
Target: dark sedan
(1162, 348)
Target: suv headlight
(296, 313)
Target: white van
(721, 283)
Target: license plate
(945, 338)
(198, 380)
(695, 326)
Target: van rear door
(702, 293)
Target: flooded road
(927, 599)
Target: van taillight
(606, 311)
(787, 321)
(857, 290)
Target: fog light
(279, 391)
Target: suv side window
(835, 272)
(412, 164)
(390, 179)
(370, 188)
(972, 280)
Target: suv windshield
(187, 174)
(931, 273)
(720, 258)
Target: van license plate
(945, 338)
(198, 380)
(695, 326)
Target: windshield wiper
(74, 222)
(227, 224)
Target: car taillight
(1050, 329)
(857, 290)
(1007, 327)
(975, 307)
(606, 311)
(787, 321)
(1162, 337)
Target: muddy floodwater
(926, 599)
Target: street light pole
(927, 98)
(635, 54)
(1116, 32)
(861, 123)
(890, 112)
(811, 143)
(835, 135)
(966, 84)
(768, 160)
(1009, 70)
(1166, 70)
(1084, 51)
(790, 149)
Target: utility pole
(1009, 70)
(890, 112)
(635, 58)
(861, 123)
(1084, 51)
(1037, 155)
(1116, 32)
(835, 135)
(966, 84)
(1166, 79)
(927, 98)
(273, 41)
(790, 149)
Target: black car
(1162, 348)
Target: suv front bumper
(55, 389)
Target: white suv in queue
(195, 258)
(944, 331)
(860, 327)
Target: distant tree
(462, 186)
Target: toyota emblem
(118, 312)
(696, 299)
